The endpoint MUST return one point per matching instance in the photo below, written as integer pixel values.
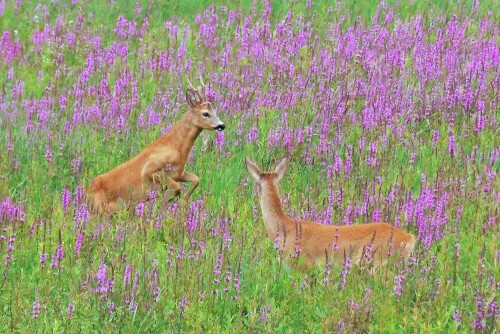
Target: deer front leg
(174, 185)
(188, 177)
(166, 182)
(159, 177)
(152, 171)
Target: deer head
(205, 117)
(266, 178)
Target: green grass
(436, 284)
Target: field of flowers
(388, 112)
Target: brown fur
(160, 164)
(314, 243)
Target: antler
(204, 88)
(199, 96)
(201, 80)
(190, 84)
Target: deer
(161, 163)
(303, 244)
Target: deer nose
(220, 127)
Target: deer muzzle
(220, 127)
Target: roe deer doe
(315, 243)
(161, 163)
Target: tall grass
(388, 111)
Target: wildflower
(70, 310)
(10, 249)
(57, 257)
(65, 199)
(345, 270)
(140, 209)
(451, 143)
(277, 241)
(82, 216)
(79, 194)
(255, 211)
(127, 275)
(36, 308)
(456, 317)
(48, 155)
(435, 138)
(341, 326)
(43, 258)
(236, 281)
(263, 314)
(183, 304)
(78, 244)
(398, 288)
(217, 268)
(219, 140)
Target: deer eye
(205, 114)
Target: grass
(174, 283)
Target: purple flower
(78, 244)
(183, 304)
(79, 194)
(217, 268)
(263, 314)
(435, 138)
(128, 274)
(236, 280)
(48, 154)
(62, 102)
(70, 310)
(345, 270)
(255, 213)
(253, 135)
(57, 257)
(398, 287)
(82, 216)
(140, 209)
(456, 317)
(10, 249)
(341, 326)
(65, 199)
(451, 143)
(138, 8)
(76, 165)
(277, 241)
(36, 308)
(105, 285)
(219, 140)
(43, 258)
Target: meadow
(387, 111)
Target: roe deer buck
(161, 162)
(315, 243)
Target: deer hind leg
(100, 202)
(188, 177)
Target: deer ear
(281, 167)
(253, 169)
(191, 97)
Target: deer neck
(185, 133)
(272, 212)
